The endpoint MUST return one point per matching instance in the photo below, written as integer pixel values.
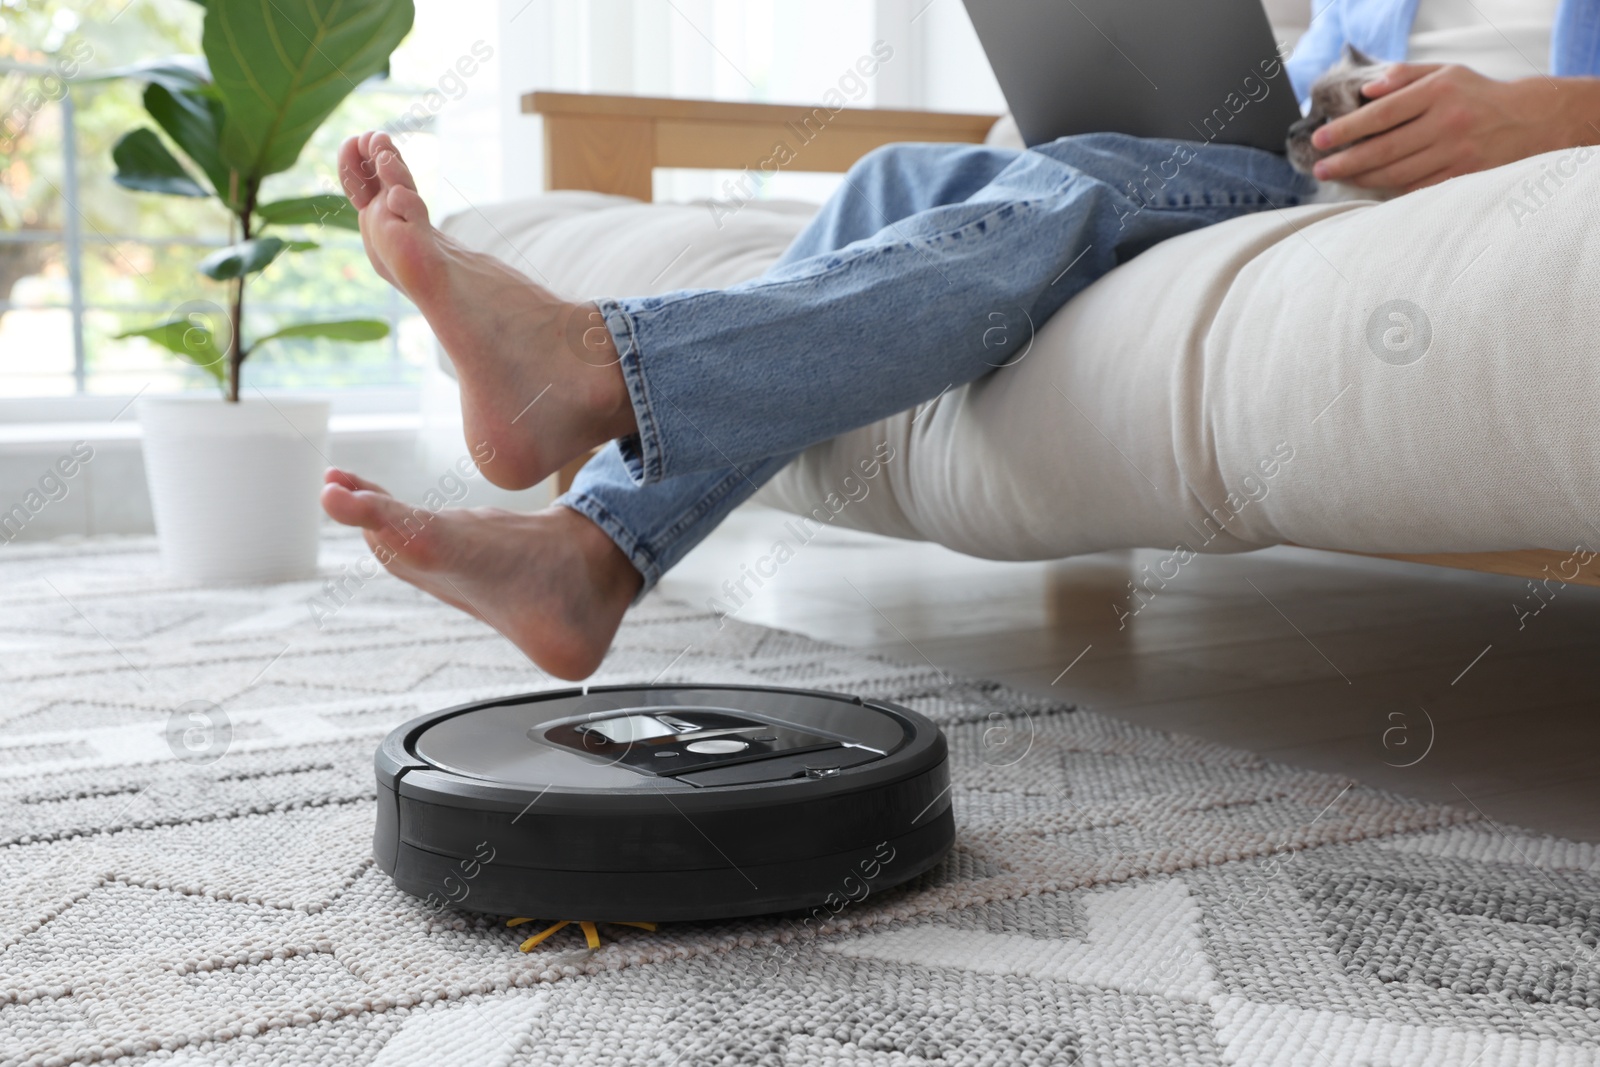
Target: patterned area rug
(1117, 895)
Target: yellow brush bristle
(591, 931)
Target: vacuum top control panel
(669, 743)
(605, 738)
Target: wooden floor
(1411, 678)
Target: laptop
(1193, 70)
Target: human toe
(356, 175)
(391, 167)
(369, 509)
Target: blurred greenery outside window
(82, 259)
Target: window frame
(82, 405)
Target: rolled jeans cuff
(643, 560)
(641, 452)
(655, 526)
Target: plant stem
(236, 350)
(235, 324)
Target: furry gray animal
(1334, 95)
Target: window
(82, 260)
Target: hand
(1428, 122)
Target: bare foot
(539, 377)
(551, 582)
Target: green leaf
(345, 330)
(177, 73)
(194, 122)
(300, 246)
(144, 163)
(189, 339)
(246, 257)
(282, 66)
(329, 209)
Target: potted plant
(234, 481)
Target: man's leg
(1080, 205)
(558, 582)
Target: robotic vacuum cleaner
(631, 803)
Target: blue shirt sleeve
(1382, 28)
(1575, 42)
(1319, 48)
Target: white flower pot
(234, 487)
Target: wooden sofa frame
(612, 144)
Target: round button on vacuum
(717, 746)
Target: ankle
(590, 340)
(612, 575)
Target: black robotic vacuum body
(643, 803)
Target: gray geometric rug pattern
(186, 808)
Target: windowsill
(18, 412)
(126, 432)
(36, 424)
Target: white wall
(955, 73)
(527, 61)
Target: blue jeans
(929, 268)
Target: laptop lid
(1194, 70)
